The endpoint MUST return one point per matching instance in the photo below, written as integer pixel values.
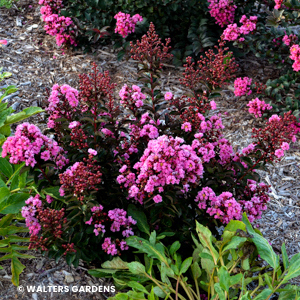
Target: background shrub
(188, 23)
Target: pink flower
(231, 33)
(168, 96)
(213, 105)
(295, 55)
(285, 146)
(123, 169)
(74, 124)
(3, 42)
(186, 126)
(49, 199)
(274, 118)
(92, 151)
(157, 198)
(278, 4)
(29, 143)
(139, 103)
(286, 40)
(89, 222)
(279, 153)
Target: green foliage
(283, 93)
(10, 244)
(186, 22)
(7, 3)
(7, 118)
(15, 189)
(222, 269)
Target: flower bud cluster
(275, 137)
(44, 221)
(81, 178)
(211, 69)
(151, 49)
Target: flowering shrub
(150, 156)
(61, 27)
(193, 25)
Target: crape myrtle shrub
(193, 25)
(275, 38)
(147, 157)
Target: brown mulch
(36, 64)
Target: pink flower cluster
(257, 107)
(126, 23)
(225, 207)
(242, 86)
(280, 152)
(278, 4)
(233, 32)
(28, 212)
(295, 55)
(257, 193)
(118, 216)
(166, 161)
(3, 42)
(222, 11)
(119, 222)
(249, 25)
(288, 39)
(28, 143)
(62, 103)
(61, 27)
(131, 97)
